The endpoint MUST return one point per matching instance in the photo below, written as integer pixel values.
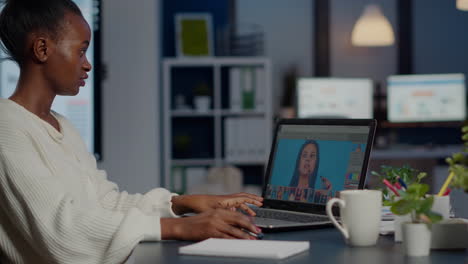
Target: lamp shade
(372, 29)
(462, 5)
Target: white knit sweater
(56, 206)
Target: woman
(305, 172)
(307, 162)
(55, 205)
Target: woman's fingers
(236, 202)
(247, 209)
(242, 221)
(224, 235)
(234, 232)
(249, 195)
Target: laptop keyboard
(289, 217)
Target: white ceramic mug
(441, 205)
(360, 212)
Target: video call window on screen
(426, 98)
(334, 97)
(79, 109)
(313, 164)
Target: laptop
(311, 161)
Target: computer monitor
(82, 109)
(426, 98)
(334, 98)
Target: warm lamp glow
(462, 5)
(372, 29)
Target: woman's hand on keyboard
(202, 203)
(218, 223)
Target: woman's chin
(73, 92)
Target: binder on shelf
(235, 88)
(239, 137)
(248, 82)
(258, 139)
(263, 142)
(257, 131)
(250, 146)
(247, 88)
(244, 139)
(228, 138)
(195, 176)
(260, 89)
(178, 179)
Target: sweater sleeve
(156, 201)
(59, 226)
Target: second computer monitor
(334, 98)
(426, 98)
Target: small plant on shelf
(458, 164)
(202, 89)
(202, 99)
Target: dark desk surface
(326, 246)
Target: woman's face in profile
(308, 159)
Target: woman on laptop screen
(305, 171)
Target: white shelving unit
(218, 112)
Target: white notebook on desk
(267, 249)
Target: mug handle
(341, 203)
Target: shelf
(416, 152)
(193, 162)
(245, 163)
(193, 138)
(211, 162)
(242, 113)
(211, 61)
(192, 113)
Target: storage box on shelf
(234, 129)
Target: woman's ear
(41, 49)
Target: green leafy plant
(202, 89)
(406, 173)
(181, 144)
(415, 202)
(459, 164)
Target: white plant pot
(398, 224)
(202, 103)
(416, 239)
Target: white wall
(288, 27)
(130, 104)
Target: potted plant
(458, 164)
(407, 174)
(202, 97)
(181, 145)
(394, 176)
(458, 177)
(417, 232)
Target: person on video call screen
(305, 171)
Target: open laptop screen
(313, 163)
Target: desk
(326, 246)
